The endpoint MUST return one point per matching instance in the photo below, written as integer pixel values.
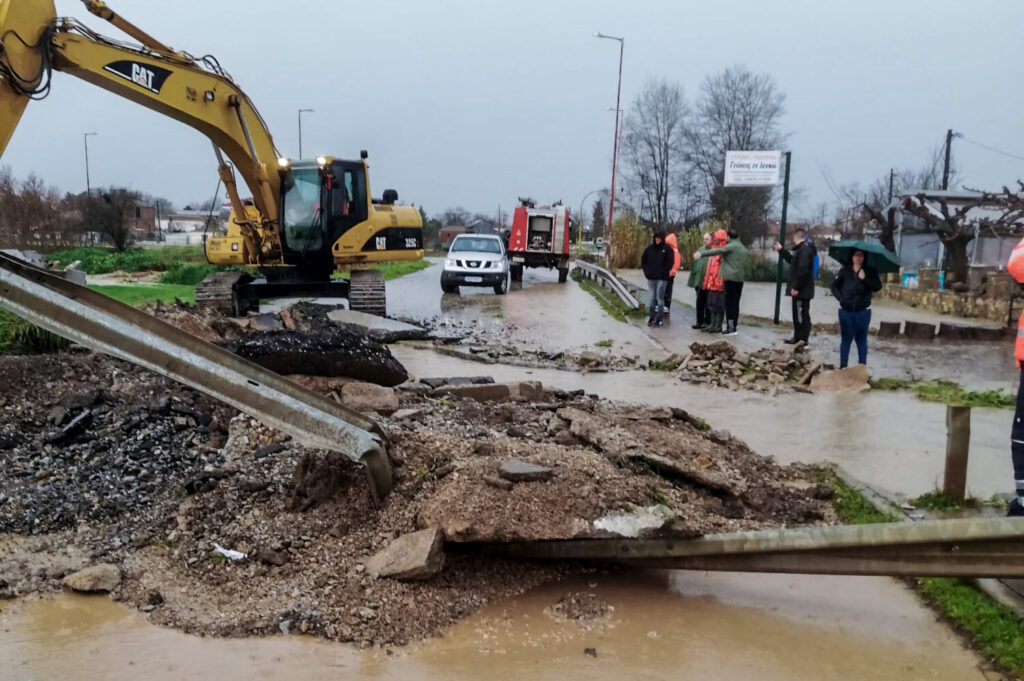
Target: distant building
(141, 219)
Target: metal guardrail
(106, 325)
(966, 547)
(608, 281)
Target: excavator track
(366, 292)
(219, 291)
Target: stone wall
(948, 302)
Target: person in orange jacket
(1016, 268)
(714, 284)
(674, 244)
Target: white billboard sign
(752, 168)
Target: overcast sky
(471, 103)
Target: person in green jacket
(696, 282)
(734, 264)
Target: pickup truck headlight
(449, 262)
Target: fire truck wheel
(563, 274)
(517, 272)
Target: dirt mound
(243, 487)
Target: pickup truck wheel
(449, 288)
(502, 288)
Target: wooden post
(958, 442)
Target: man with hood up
(670, 239)
(656, 262)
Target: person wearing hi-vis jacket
(1016, 268)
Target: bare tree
(736, 110)
(952, 224)
(108, 213)
(653, 144)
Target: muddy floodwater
(658, 625)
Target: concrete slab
(379, 329)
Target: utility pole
(892, 176)
(782, 238)
(85, 136)
(615, 147)
(302, 111)
(945, 166)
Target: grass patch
(19, 337)
(936, 501)
(608, 301)
(188, 273)
(949, 392)
(658, 365)
(853, 507)
(392, 270)
(147, 295)
(95, 260)
(606, 343)
(993, 628)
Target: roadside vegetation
(993, 629)
(147, 294)
(948, 392)
(97, 260)
(19, 337)
(394, 270)
(608, 301)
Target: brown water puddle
(679, 625)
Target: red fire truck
(539, 238)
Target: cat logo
(144, 75)
(382, 243)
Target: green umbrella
(876, 255)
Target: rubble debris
(491, 392)
(636, 523)
(457, 380)
(590, 359)
(116, 494)
(720, 364)
(380, 329)
(369, 397)
(102, 578)
(328, 352)
(515, 470)
(852, 379)
(414, 556)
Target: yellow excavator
(306, 220)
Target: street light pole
(579, 233)
(85, 137)
(302, 111)
(615, 147)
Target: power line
(992, 149)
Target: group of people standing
(717, 276)
(719, 270)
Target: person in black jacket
(800, 283)
(656, 262)
(853, 287)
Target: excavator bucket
(22, 67)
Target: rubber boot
(716, 322)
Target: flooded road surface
(678, 625)
(890, 440)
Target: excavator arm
(196, 92)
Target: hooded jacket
(734, 259)
(673, 243)
(656, 262)
(801, 270)
(698, 268)
(713, 280)
(852, 292)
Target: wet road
(545, 315)
(679, 625)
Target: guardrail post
(958, 442)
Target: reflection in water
(661, 625)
